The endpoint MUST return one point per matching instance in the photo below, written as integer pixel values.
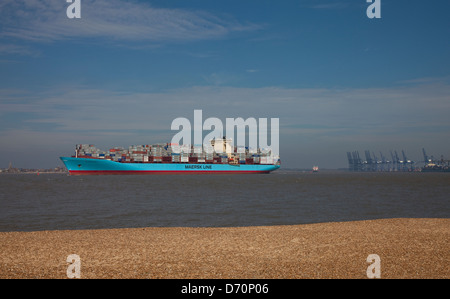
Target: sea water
(29, 202)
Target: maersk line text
(197, 167)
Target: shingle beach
(408, 248)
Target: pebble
(408, 248)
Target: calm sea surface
(56, 201)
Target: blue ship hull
(87, 166)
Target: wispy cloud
(354, 110)
(17, 50)
(46, 20)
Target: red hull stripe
(112, 172)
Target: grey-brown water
(54, 201)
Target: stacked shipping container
(174, 153)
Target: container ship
(431, 167)
(169, 158)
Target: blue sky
(337, 80)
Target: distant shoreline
(35, 172)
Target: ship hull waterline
(89, 166)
